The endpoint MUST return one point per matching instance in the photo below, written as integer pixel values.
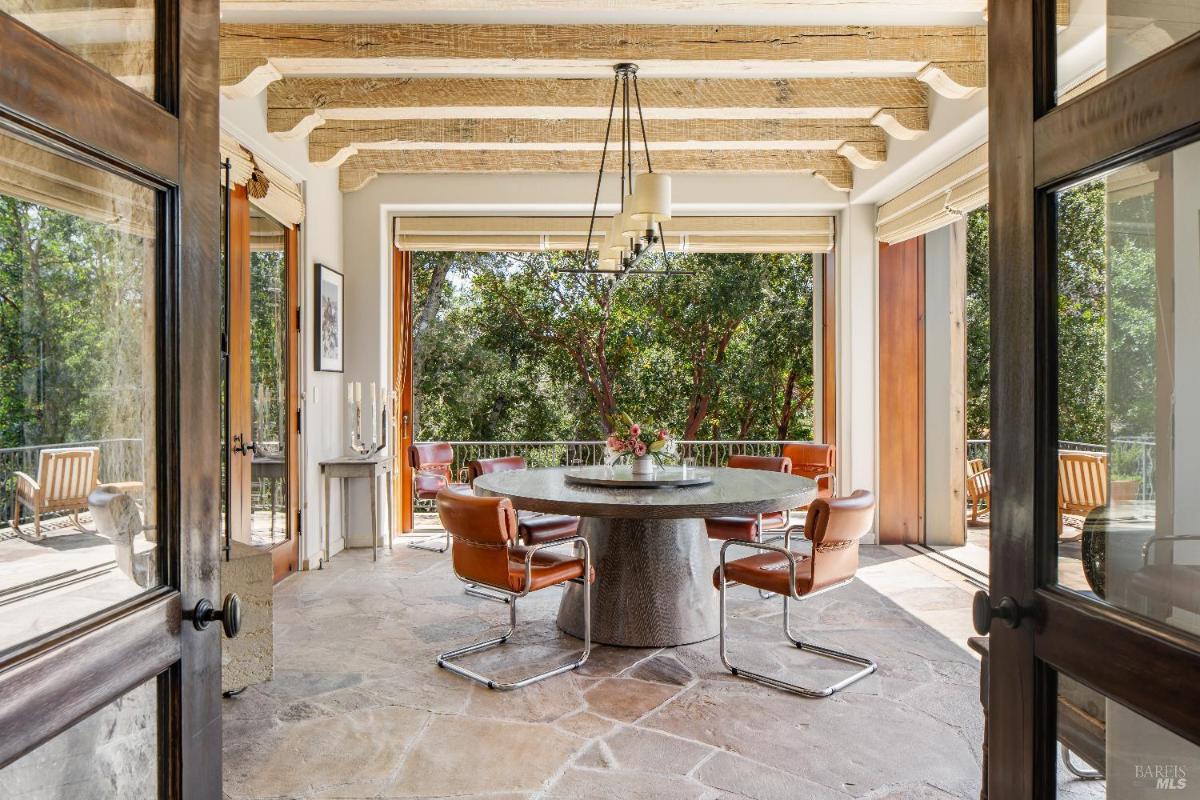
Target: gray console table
(346, 468)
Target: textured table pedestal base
(653, 583)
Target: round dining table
(649, 546)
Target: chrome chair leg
(868, 666)
(446, 660)
(424, 544)
(1084, 774)
(484, 593)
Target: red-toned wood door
(402, 383)
(902, 391)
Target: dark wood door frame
(52, 682)
(1035, 149)
(902, 391)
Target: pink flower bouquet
(632, 440)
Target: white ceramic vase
(643, 465)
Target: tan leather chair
(834, 527)
(432, 470)
(814, 460)
(751, 529)
(486, 553)
(532, 527)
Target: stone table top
(733, 492)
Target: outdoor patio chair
(486, 553)
(118, 518)
(751, 529)
(813, 460)
(1082, 484)
(532, 527)
(66, 475)
(432, 466)
(834, 527)
(979, 488)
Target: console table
(348, 468)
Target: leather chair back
(483, 529)
(766, 463)
(810, 459)
(486, 466)
(835, 526)
(431, 465)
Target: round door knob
(983, 612)
(229, 615)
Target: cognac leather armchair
(486, 553)
(432, 466)
(532, 527)
(814, 460)
(834, 527)
(750, 529)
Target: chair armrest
(533, 549)
(832, 482)
(26, 485)
(770, 548)
(1155, 539)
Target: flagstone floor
(358, 708)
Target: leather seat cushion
(766, 571)
(548, 569)
(741, 527)
(538, 528)
(429, 492)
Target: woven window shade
(41, 176)
(947, 195)
(682, 234)
(282, 200)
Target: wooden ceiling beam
(864, 144)
(296, 106)
(256, 55)
(360, 169)
(774, 7)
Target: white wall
(857, 323)
(320, 241)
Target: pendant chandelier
(645, 198)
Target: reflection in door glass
(117, 36)
(111, 755)
(268, 378)
(1129, 386)
(1098, 39)
(1107, 751)
(77, 394)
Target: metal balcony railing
(1130, 457)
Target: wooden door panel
(901, 391)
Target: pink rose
(639, 449)
(662, 433)
(635, 429)
(614, 443)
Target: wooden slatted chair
(979, 487)
(66, 476)
(1082, 484)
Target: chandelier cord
(642, 119)
(612, 104)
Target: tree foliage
(505, 346)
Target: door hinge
(298, 318)
(299, 427)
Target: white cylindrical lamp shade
(651, 202)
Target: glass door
(1094, 607)
(110, 614)
(263, 421)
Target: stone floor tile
(591, 784)
(626, 699)
(459, 755)
(727, 772)
(651, 751)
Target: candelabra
(379, 419)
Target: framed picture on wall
(330, 328)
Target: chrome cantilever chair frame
(446, 660)
(868, 666)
